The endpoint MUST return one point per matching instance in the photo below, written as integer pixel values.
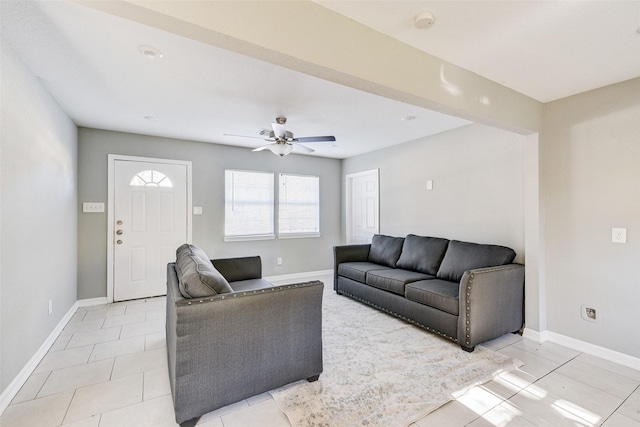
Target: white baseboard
(584, 347)
(536, 336)
(14, 387)
(91, 301)
(299, 276)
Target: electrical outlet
(619, 235)
(589, 313)
(279, 261)
(429, 184)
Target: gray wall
(38, 220)
(209, 163)
(478, 187)
(590, 158)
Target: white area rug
(381, 371)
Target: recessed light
(151, 118)
(408, 118)
(150, 52)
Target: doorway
(363, 206)
(149, 217)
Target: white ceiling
(546, 50)
(89, 61)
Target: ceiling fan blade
(278, 130)
(315, 139)
(247, 136)
(264, 147)
(303, 148)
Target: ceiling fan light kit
(281, 149)
(282, 141)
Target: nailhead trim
(469, 282)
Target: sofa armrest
(237, 269)
(491, 303)
(348, 253)
(228, 347)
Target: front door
(150, 222)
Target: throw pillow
(197, 277)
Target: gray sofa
(466, 292)
(232, 335)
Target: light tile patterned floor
(108, 368)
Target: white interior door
(150, 222)
(363, 211)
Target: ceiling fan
(282, 141)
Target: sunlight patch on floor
(502, 415)
(576, 413)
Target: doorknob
(119, 242)
(119, 222)
(119, 232)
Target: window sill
(249, 238)
(298, 236)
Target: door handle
(119, 242)
(119, 232)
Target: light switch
(197, 210)
(429, 184)
(92, 207)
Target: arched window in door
(150, 178)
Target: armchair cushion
(463, 256)
(423, 254)
(197, 277)
(385, 250)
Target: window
(150, 178)
(248, 205)
(299, 206)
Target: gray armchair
(227, 347)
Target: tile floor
(108, 368)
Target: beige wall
(38, 230)
(478, 186)
(590, 167)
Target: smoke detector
(150, 52)
(423, 19)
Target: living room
(549, 179)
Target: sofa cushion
(358, 270)
(436, 293)
(463, 256)
(250, 285)
(423, 254)
(197, 277)
(394, 280)
(385, 250)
